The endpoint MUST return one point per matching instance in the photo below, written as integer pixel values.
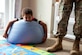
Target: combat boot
(57, 45)
(76, 47)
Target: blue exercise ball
(25, 32)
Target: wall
(19, 5)
(42, 10)
(25, 3)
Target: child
(27, 15)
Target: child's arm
(45, 30)
(8, 26)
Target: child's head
(27, 14)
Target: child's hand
(5, 35)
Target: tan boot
(75, 50)
(57, 46)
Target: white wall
(42, 10)
(19, 5)
(25, 3)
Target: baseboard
(70, 36)
(50, 35)
(71, 40)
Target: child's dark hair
(27, 11)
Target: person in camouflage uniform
(67, 6)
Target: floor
(67, 46)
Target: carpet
(11, 49)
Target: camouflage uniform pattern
(66, 8)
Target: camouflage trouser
(66, 6)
